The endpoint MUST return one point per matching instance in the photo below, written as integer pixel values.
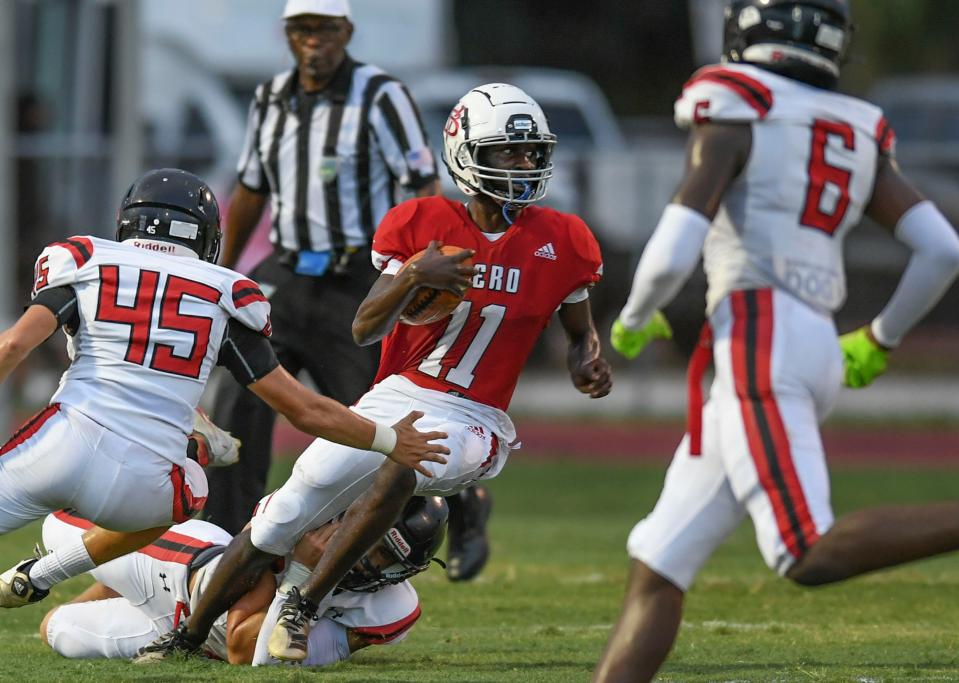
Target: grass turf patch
(543, 608)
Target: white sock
(66, 561)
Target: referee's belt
(318, 263)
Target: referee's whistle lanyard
(509, 206)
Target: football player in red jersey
(780, 168)
(528, 262)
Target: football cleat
(288, 641)
(216, 447)
(16, 589)
(168, 646)
(468, 542)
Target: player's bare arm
(246, 208)
(323, 417)
(892, 195)
(589, 371)
(715, 155)
(388, 296)
(365, 521)
(16, 343)
(244, 619)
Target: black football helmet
(412, 542)
(171, 205)
(802, 39)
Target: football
(429, 305)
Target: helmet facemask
(493, 115)
(511, 186)
(404, 551)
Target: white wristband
(384, 441)
(296, 575)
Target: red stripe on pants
(752, 339)
(30, 427)
(68, 517)
(380, 635)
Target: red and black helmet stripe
(754, 93)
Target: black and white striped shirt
(331, 182)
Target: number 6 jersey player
(147, 319)
(528, 262)
(780, 168)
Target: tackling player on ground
(146, 320)
(780, 168)
(461, 371)
(142, 595)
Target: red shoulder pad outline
(753, 93)
(80, 248)
(885, 136)
(246, 292)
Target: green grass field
(543, 608)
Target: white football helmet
(497, 114)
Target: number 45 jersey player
(147, 319)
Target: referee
(327, 144)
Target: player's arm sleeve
(247, 354)
(667, 262)
(62, 302)
(393, 242)
(931, 269)
(715, 93)
(399, 131)
(250, 166)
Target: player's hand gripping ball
(430, 304)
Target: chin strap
(509, 206)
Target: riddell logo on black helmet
(400, 542)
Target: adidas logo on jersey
(546, 251)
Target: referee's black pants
(312, 320)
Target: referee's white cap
(328, 8)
